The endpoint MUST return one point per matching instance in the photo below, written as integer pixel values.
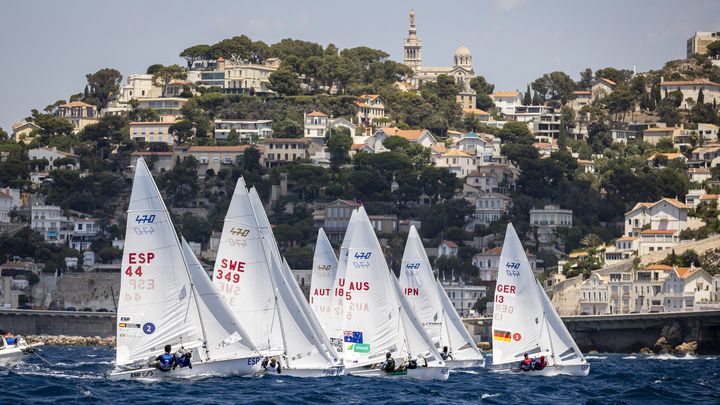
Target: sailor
(271, 364)
(182, 359)
(539, 364)
(412, 363)
(445, 354)
(10, 339)
(389, 364)
(526, 364)
(166, 361)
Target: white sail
(565, 350)
(334, 329)
(324, 270)
(156, 305)
(417, 283)
(242, 275)
(454, 334)
(517, 314)
(524, 321)
(226, 339)
(305, 344)
(372, 324)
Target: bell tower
(412, 55)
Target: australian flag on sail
(352, 337)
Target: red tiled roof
(690, 83)
(658, 232)
(450, 244)
(316, 114)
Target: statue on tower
(412, 17)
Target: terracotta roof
(77, 104)
(357, 146)
(221, 59)
(582, 93)
(671, 201)
(456, 153)
(450, 244)
(238, 148)
(439, 147)
(624, 238)
(362, 104)
(709, 197)
(574, 255)
(608, 81)
(658, 232)
(670, 156)
(585, 162)
(675, 203)
(496, 251)
(370, 96)
(475, 111)
(698, 170)
(409, 134)
(682, 272)
(663, 267)
(316, 114)
(506, 94)
(285, 140)
(690, 83)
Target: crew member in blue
(166, 361)
(539, 364)
(183, 360)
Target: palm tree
(590, 240)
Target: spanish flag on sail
(501, 335)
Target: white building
(419, 136)
(490, 207)
(79, 114)
(488, 263)
(247, 130)
(690, 89)
(49, 221)
(506, 101)
(602, 87)
(237, 76)
(9, 200)
(448, 248)
(698, 43)
(457, 162)
(548, 219)
(51, 155)
(594, 295)
(168, 108)
(139, 86)
(666, 214)
(581, 98)
(85, 231)
(485, 147)
(624, 248)
(463, 296)
(371, 108)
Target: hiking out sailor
(271, 364)
(412, 363)
(166, 361)
(182, 359)
(526, 364)
(389, 364)
(10, 339)
(445, 354)
(539, 364)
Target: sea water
(75, 375)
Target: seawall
(69, 323)
(629, 333)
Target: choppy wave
(71, 376)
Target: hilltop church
(462, 71)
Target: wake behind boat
(525, 325)
(166, 299)
(434, 309)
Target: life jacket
(166, 361)
(527, 362)
(183, 361)
(10, 340)
(390, 367)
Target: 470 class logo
(145, 219)
(239, 232)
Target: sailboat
(15, 351)
(525, 322)
(433, 307)
(378, 318)
(324, 270)
(166, 298)
(250, 276)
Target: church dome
(462, 52)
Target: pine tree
(562, 137)
(527, 100)
(536, 98)
(701, 97)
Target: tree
(554, 86)
(618, 76)
(285, 81)
(481, 86)
(287, 128)
(3, 135)
(182, 130)
(515, 132)
(338, 146)
(713, 49)
(586, 79)
(701, 97)
(591, 240)
(165, 74)
(619, 101)
(527, 100)
(102, 85)
(194, 53)
(152, 69)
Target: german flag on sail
(501, 335)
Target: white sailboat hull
(241, 367)
(579, 370)
(420, 373)
(312, 372)
(455, 364)
(13, 354)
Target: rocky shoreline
(62, 340)
(663, 347)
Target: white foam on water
(465, 371)
(630, 358)
(596, 357)
(485, 396)
(671, 357)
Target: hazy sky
(49, 46)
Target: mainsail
(335, 321)
(524, 320)
(324, 270)
(156, 305)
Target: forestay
(334, 330)
(324, 270)
(156, 305)
(518, 310)
(226, 339)
(372, 323)
(242, 275)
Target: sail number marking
(230, 270)
(506, 288)
(145, 219)
(129, 271)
